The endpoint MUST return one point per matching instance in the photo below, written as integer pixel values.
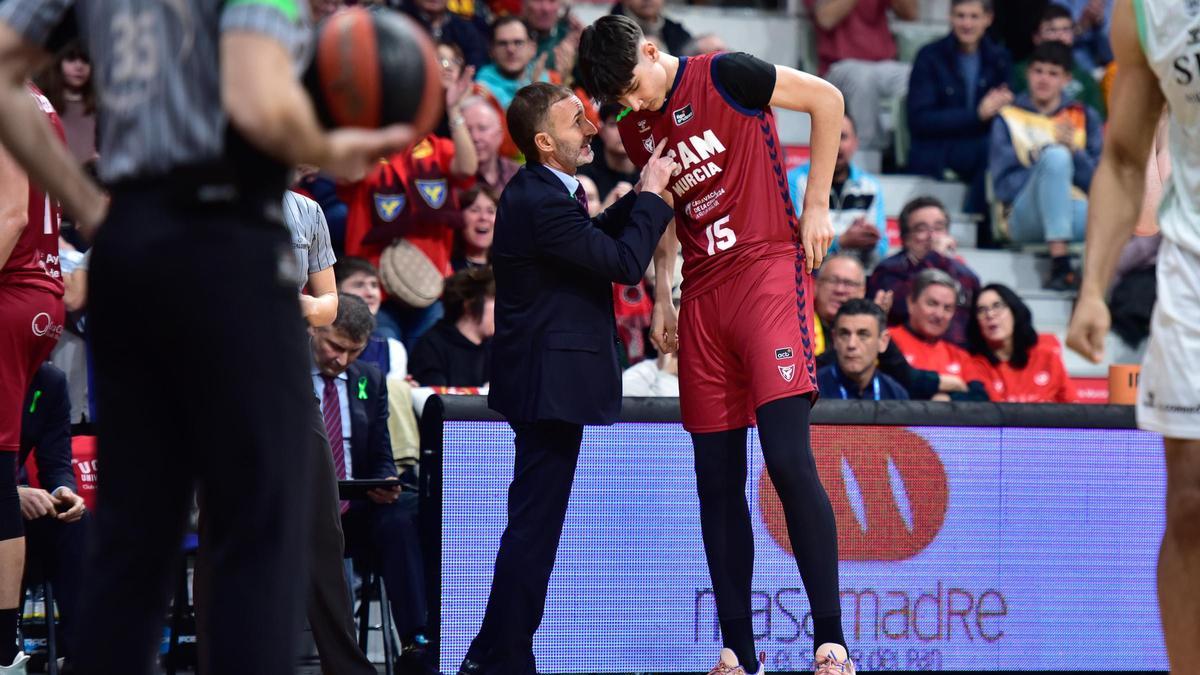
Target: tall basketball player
(745, 326)
(1157, 45)
(31, 319)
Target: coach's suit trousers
(546, 455)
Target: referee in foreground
(199, 345)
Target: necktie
(331, 408)
(581, 197)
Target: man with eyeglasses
(512, 60)
(925, 232)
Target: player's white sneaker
(832, 659)
(17, 667)
(728, 664)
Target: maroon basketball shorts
(745, 343)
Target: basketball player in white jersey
(1157, 45)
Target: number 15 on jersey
(720, 238)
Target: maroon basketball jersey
(732, 205)
(34, 260)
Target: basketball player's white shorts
(1169, 390)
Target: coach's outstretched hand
(816, 233)
(352, 152)
(657, 172)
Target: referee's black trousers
(201, 380)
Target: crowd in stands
(1009, 102)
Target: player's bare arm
(320, 308)
(802, 92)
(664, 324)
(1119, 184)
(14, 204)
(276, 115)
(26, 134)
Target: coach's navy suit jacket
(554, 355)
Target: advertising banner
(961, 548)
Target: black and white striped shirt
(310, 236)
(156, 68)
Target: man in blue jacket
(1045, 148)
(554, 365)
(958, 85)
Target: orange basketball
(375, 67)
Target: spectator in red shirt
(931, 306)
(924, 231)
(858, 55)
(1010, 359)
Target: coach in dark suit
(554, 358)
(382, 528)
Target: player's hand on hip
(1089, 326)
(352, 152)
(664, 328)
(816, 233)
(657, 172)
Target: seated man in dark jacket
(860, 337)
(958, 85)
(382, 529)
(53, 513)
(924, 231)
(456, 352)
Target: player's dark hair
(861, 307)
(527, 114)
(608, 53)
(987, 4)
(916, 205)
(1054, 53)
(503, 21)
(354, 318)
(467, 291)
(1055, 11)
(1024, 334)
(347, 267)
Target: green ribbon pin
(37, 393)
(621, 115)
(362, 388)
